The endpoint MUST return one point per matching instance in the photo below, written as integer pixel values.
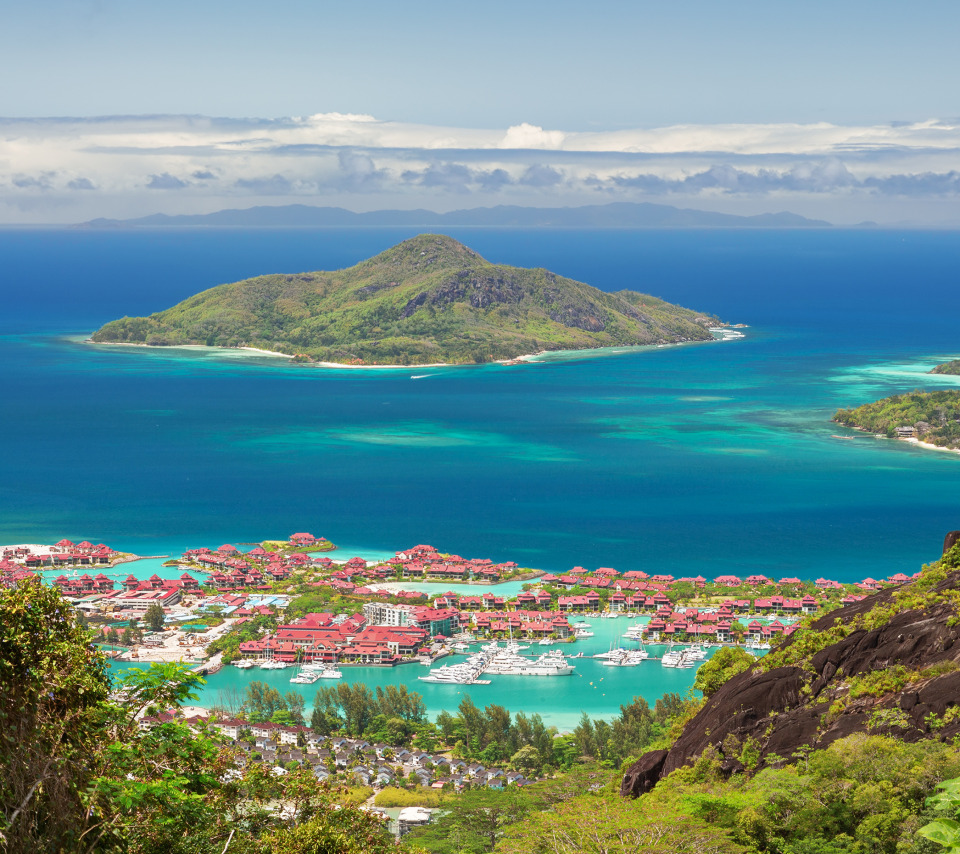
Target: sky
(846, 111)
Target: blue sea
(701, 459)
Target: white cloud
(531, 136)
(201, 163)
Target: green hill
(428, 299)
(934, 415)
(947, 368)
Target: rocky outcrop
(951, 540)
(829, 694)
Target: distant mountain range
(614, 215)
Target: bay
(709, 459)
(592, 688)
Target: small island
(928, 417)
(429, 300)
(952, 367)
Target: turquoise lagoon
(710, 459)
(559, 700)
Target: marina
(591, 687)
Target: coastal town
(376, 615)
(288, 604)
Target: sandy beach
(526, 358)
(931, 447)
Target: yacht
(548, 664)
(331, 673)
(676, 658)
(627, 658)
(454, 674)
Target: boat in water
(331, 673)
(677, 658)
(548, 664)
(455, 674)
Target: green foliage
(262, 702)
(726, 662)
(429, 299)
(229, 644)
(605, 825)
(936, 412)
(862, 794)
(945, 831)
(889, 718)
(392, 714)
(879, 682)
(154, 617)
(341, 832)
(79, 773)
(52, 686)
(952, 367)
(391, 796)
(932, 587)
(474, 822)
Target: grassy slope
(429, 299)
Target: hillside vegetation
(886, 665)
(934, 414)
(427, 300)
(947, 368)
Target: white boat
(545, 642)
(454, 674)
(612, 653)
(582, 633)
(629, 658)
(244, 663)
(676, 658)
(549, 664)
(331, 673)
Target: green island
(427, 300)
(845, 739)
(952, 367)
(930, 416)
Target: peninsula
(952, 367)
(428, 300)
(931, 418)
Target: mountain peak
(428, 252)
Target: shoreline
(929, 446)
(911, 440)
(525, 359)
